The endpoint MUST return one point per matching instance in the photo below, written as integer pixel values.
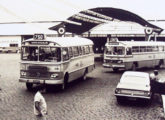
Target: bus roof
(67, 41)
(137, 43)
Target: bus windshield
(114, 50)
(43, 53)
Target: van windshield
(42, 53)
(114, 50)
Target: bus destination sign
(39, 42)
(38, 37)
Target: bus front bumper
(37, 81)
(113, 66)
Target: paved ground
(92, 99)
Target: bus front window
(115, 50)
(30, 53)
(48, 54)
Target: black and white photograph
(82, 60)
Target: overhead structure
(88, 19)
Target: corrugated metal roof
(118, 27)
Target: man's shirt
(42, 104)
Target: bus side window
(86, 49)
(91, 49)
(83, 50)
(129, 51)
(161, 48)
(75, 51)
(143, 49)
(80, 50)
(149, 48)
(70, 52)
(65, 54)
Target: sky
(60, 10)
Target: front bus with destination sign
(38, 36)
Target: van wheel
(29, 86)
(65, 84)
(134, 67)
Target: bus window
(75, 51)
(155, 48)
(161, 48)
(65, 54)
(83, 50)
(48, 54)
(129, 51)
(91, 49)
(80, 50)
(143, 49)
(30, 53)
(70, 52)
(117, 50)
(149, 48)
(135, 49)
(86, 49)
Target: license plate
(36, 81)
(132, 98)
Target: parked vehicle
(133, 54)
(55, 60)
(133, 85)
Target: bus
(55, 60)
(133, 54)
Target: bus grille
(38, 72)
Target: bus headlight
(23, 73)
(24, 66)
(55, 75)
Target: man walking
(40, 106)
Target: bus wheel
(29, 86)
(115, 69)
(65, 83)
(85, 75)
(134, 68)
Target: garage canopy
(87, 19)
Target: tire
(65, 83)
(84, 77)
(160, 64)
(134, 67)
(120, 99)
(115, 69)
(29, 86)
